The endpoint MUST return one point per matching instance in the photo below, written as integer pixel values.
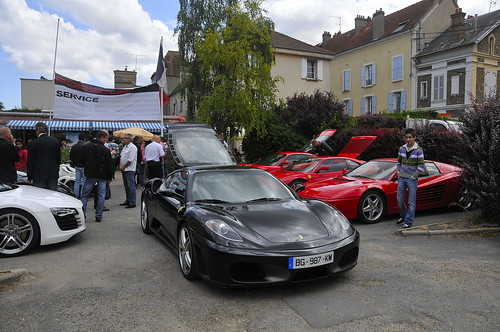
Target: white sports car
(31, 216)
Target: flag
(160, 75)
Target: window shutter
(374, 74)
(389, 102)
(362, 106)
(403, 100)
(374, 105)
(343, 80)
(349, 103)
(303, 68)
(320, 70)
(362, 77)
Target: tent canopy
(134, 131)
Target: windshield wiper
(210, 201)
(263, 199)
(359, 176)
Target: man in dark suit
(9, 156)
(44, 158)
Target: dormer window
(400, 26)
(491, 48)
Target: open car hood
(356, 145)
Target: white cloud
(96, 38)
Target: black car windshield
(198, 147)
(305, 165)
(375, 170)
(270, 160)
(237, 186)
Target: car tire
(145, 217)
(19, 232)
(70, 183)
(294, 183)
(187, 257)
(371, 207)
(465, 201)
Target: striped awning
(113, 126)
(54, 125)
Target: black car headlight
(62, 212)
(223, 230)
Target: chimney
(457, 26)
(359, 23)
(378, 24)
(326, 38)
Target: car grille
(69, 221)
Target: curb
(421, 232)
(11, 276)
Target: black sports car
(240, 226)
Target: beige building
(304, 68)
(373, 69)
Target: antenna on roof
(492, 2)
(340, 21)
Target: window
(400, 26)
(490, 86)
(491, 48)
(438, 87)
(455, 83)
(348, 106)
(368, 105)
(312, 69)
(397, 68)
(423, 90)
(346, 80)
(368, 75)
(396, 101)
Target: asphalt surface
(113, 277)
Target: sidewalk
(458, 227)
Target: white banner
(74, 100)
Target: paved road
(113, 277)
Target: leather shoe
(98, 219)
(130, 206)
(124, 204)
(105, 209)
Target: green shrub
(481, 156)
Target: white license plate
(303, 262)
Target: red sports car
(278, 160)
(369, 192)
(315, 169)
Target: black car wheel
(187, 260)
(465, 200)
(294, 183)
(371, 207)
(145, 217)
(19, 232)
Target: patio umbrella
(134, 131)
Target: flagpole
(161, 96)
(54, 78)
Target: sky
(96, 37)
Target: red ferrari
(315, 169)
(369, 192)
(278, 160)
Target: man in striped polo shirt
(410, 164)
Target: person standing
(139, 170)
(154, 153)
(77, 157)
(128, 162)
(322, 148)
(9, 157)
(23, 156)
(44, 158)
(98, 172)
(410, 164)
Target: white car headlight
(223, 230)
(61, 212)
(341, 219)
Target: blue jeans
(408, 214)
(79, 181)
(141, 176)
(88, 185)
(129, 183)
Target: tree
(228, 65)
(194, 19)
(1, 106)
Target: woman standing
(23, 156)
